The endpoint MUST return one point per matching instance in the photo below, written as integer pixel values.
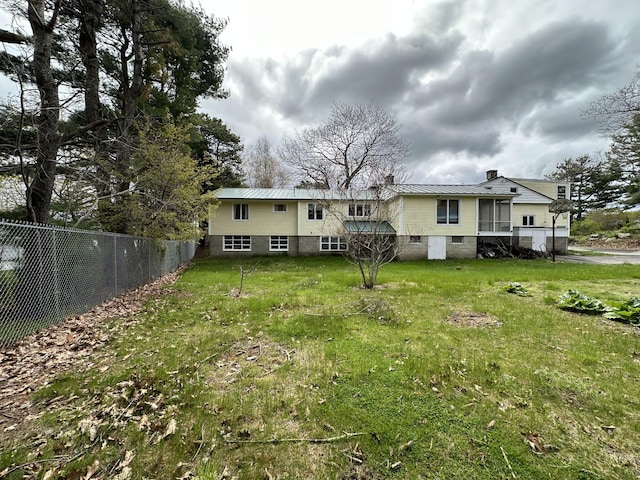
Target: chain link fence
(48, 273)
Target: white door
(539, 240)
(436, 247)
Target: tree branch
(10, 37)
(298, 440)
(67, 137)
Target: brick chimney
(491, 174)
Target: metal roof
(289, 194)
(272, 194)
(369, 226)
(458, 190)
(389, 192)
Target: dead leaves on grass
(537, 445)
(36, 360)
(259, 357)
(67, 346)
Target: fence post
(56, 274)
(115, 265)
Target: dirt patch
(67, 346)
(472, 319)
(249, 358)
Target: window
(514, 189)
(447, 212)
(236, 242)
(314, 211)
(415, 239)
(278, 243)
(279, 207)
(241, 211)
(457, 239)
(494, 215)
(359, 210)
(336, 244)
(562, 191)
(528, 220)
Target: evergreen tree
(594, 183)
(625, 155)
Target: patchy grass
(438, 373)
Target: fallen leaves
(534, 441)
(69, 345)
(34, 361)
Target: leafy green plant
(627, 311)
(517, 288)
(574, 301)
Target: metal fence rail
(48, 273)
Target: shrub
(627, 311)
(574, 301)
(517, 288)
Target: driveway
(602, 256)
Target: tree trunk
(130, 88)
(41, 188)
(90, 23)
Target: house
(427, 221)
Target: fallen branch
(507, 460)
(65, 459)
(298, 440)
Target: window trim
(280, 247)
(243, 212)
(415, 239)
(563, 189)
(314, 211)
(448, 211)
(242, 241)
(359, 209)
(285, 210)
(528, 220)
(457, 239)
(340, 242)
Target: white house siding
(329, 225)
(419, 217)
(548, 188)
(543, 218)
(262, 219)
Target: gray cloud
(538, 70)
(382, 70)
(535, 85)
(452, 96)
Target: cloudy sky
(475, 84)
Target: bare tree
(365, 218)
(357, 147)
(261, 167)
(616, 110)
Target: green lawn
(436, 373)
